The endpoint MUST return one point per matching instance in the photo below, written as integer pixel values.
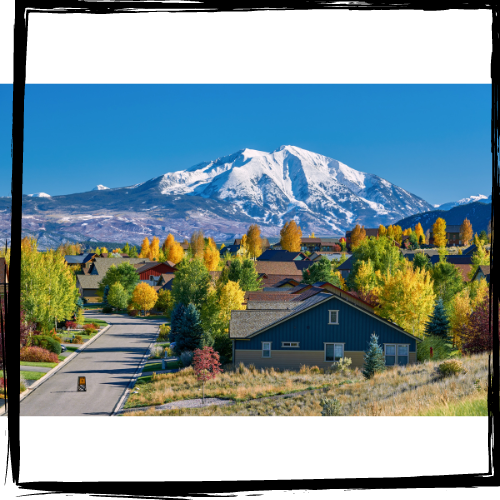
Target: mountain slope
(465, 201)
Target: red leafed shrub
(337, 248)
(476, 335)
(71, 324)
(206, 365)
(38, 354)
(92, 326)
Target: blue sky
(432, 140)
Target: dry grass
(400, 391)
(241, 384)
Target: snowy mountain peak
(39, 195)
(100, 187)
(465, 201)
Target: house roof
(102, 265)
(89, 282)
(308, 293)
(285, 281)
(250, 326)
(167, 277)
(281, 256)
(469, 250)
(79, 259)
(4, 271)
(151, 265)
(229, 249)
(271, 305)
(310, 240)
(347, 265)
(464, 270)
(285, 269)
(485, 270)
(268, 296)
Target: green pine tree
(374, 358)
(189, 334)
(175, 320)
(438, 324)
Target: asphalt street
(108, 364)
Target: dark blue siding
(311, 329)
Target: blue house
(316, 332)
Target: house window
(333, 317)
(151, 278)
(402, 354)
(289, 344)
(266, 349)
(390, 354)
(333, 352)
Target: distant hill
(478, 213)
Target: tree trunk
(203, 392)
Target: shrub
(331, 407)
(77, 339)
(186, 358)
(342, 365)
(89, 330)
(314, 369)
(164, 332)
(71, 325)
(241, 368)
(156, 352)
(91, 325)
(441, 348)
(451, 367)
(107, 309)
(48, 343)
(22, 384)
(38, 354)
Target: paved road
(108, 364)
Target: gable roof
(268, 296)
(310, 240)
(285, 269)
(89, 281)
(485, 270)
(229, 249)
(347, 265)
(469, 250)
(287, 281)
(102, 265)
(256, 324)
(151, 265)
(271, 305)
(281, 256)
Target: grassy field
(155, 366)
(38, 363)
(399, 391)
(476, 405)
(98, 322)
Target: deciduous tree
(169, 241)
(382, 230)
(419, 231)
(117, 296)
(466, 232)
(357, 236)
(291, 237)
(321, 270)
(243, 271)
(211, 255)
(191, 282)
(165, 302)
(439, 232)
(447, 281)
(479, 258)
(254, 241)
(176, 253)
(125, 273)
(144, 296)
(145, 248)
(154, 249)
(476, 333)
(197, 244)
(206, 366)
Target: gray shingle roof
(89, 281)
(102, 265)
(268, 305)
(244, 323)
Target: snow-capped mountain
(224, 196)
(464, 201)
(100, 187)
(40, 195)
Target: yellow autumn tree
(104, 250)
(439, 232)
(312, 235)
(406, 297)
(231, 299)
(144, 297)
(197, 244)
(244, 245)
(390, 232)
(211, 255)
(461, 309)
(479, 289)
(144, 248)
(365, 279)
(398, 234)
(479, 258)
(419, 231)
(254, 241)
(357, 236)
(154, 249)
(382, 230)
(291, 237)
(175, 253)
(466, 232)
(169, 241)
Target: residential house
(370, 231)
(462, 262)
(452, 235)
(291, 269)
(329, 255)
(151, 272)
(346, 267)
(230, 250)
(310, 244)
(4, 276)
(83, 261)
(282, 256)
(101, 266)
(482, 272)
(87, 285)
(320, 330)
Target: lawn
(32, 375)
(98, 322)
(38, 363)
(399, 391)
(155, 366)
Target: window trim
(330, 316)
(270, 347)
(334, 344)
(396, 353)
(290, 346)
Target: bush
(91, 325)
(441, 349)
(89, 330)
(71, 325)
(107, 309)
(186, 358)
(342, 365)
(164, 333)
(451, 367)
(331, 407)
(314, 369)
(77, 339)
(48, 343)
(38, 354)
(132, 312)
(156, 352)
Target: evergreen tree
(105, 295)
(439, 324)
(189, 332)
(447, 282)
(374, 358)
(249, 278)
(175, 320)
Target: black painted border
(157, 489)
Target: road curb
(117, 409)
(54, 370)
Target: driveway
(108, 364)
